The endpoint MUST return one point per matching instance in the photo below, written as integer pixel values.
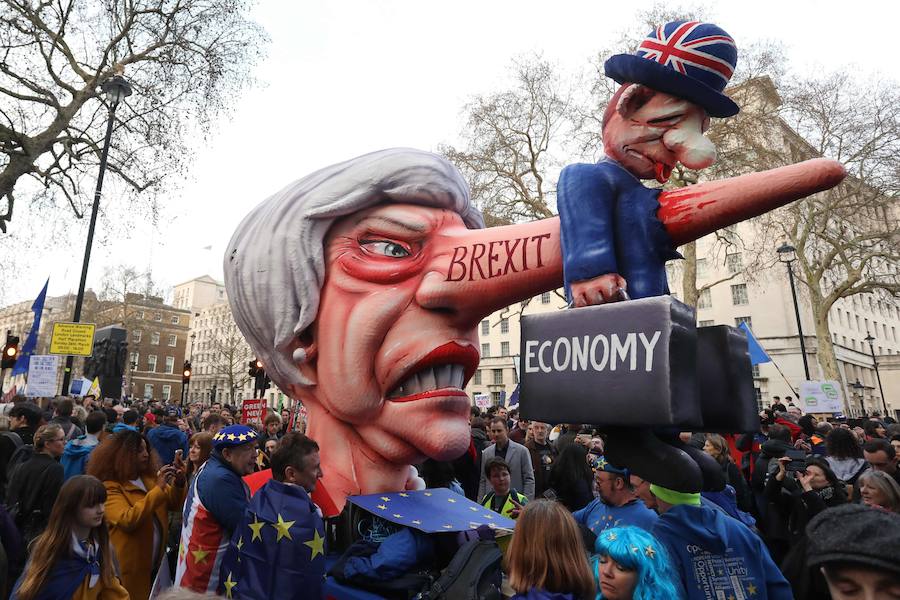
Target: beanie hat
(856, 534)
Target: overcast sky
(347, 77)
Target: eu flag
(757, 354)
(28, 348)
(278, 550)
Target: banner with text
(42, 370)
(253, 411)
(821, 397)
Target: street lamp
(131, 380)
(788, 254)
(871, 338)
(191, 355)
(115, 89)
(858, 390)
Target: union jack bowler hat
(688, 59)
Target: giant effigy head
(360, 287)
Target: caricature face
(649, 132)
(396, 355)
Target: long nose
(472, 273)
(690, 146)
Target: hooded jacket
(75, 457)
(166, 439)
(716, 556)
(847, 469)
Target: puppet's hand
(599, 290)
(413, 481)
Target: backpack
(473, 574)
(20, 456)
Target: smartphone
(798, 461)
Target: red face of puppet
(648, 132)
(395, 338)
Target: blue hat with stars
(601, 464)
(234, 435)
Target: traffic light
(186, 374)
(10, 352)
(256, 367)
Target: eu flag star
(751, 589)
(240, 543)
(385, 499)
(256, 527)
(229, 583)
(382, 507)
(283, 528)
(242, 437)
(316, 544)
(231, 437)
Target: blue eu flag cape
(30, 344)
(278, 550)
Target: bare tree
(122, 289)
(847, 239)
(186, 59)
(229, 354)
(512, 142)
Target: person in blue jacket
(167, 438)
(617, 505)
(715, 555)
(75, 456)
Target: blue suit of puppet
(609, 225)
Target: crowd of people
(123, 499)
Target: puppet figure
(612, 238)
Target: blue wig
(635, 549)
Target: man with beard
(617, 505)
(542, 456)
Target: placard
(253, 411)
(821, 397)
(72, 338)
(482, 401)
(42, 371)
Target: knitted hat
(857, 534)
(234, 435)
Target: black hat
(854, 533)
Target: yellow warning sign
(72, 338)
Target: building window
(497, 376)
(747, 320)
(154, 338)
(166, 392)
(701, 267)
(708, 323)
(148, 391)
(173, 340)
(485, 350)
(157, 316)
(739, 294)
(705, 299)
(485, 327)
(733, 262)
(497, 398)
(140, 314)
(545, 298)
(477, 379)
(170, 364)
(134, 359)
(151, 363)
(504, 325)
(136, 336)
(754, 370)
(175, 320)
(759, 402)
(504, 348)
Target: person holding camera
(799, 490)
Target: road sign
(72, 338)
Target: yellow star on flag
(473, 509)
(283, 528)
(451, 500)
(403, 495)
(417, 522)
(240, 543)
(229, 583)
(316, 544)
(751, 589)
(200, 556)
(448, 526)
(427, 493)
(256, 527)
(385, 499)
(396, 516)
(381, 507)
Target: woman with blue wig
(631, 564)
